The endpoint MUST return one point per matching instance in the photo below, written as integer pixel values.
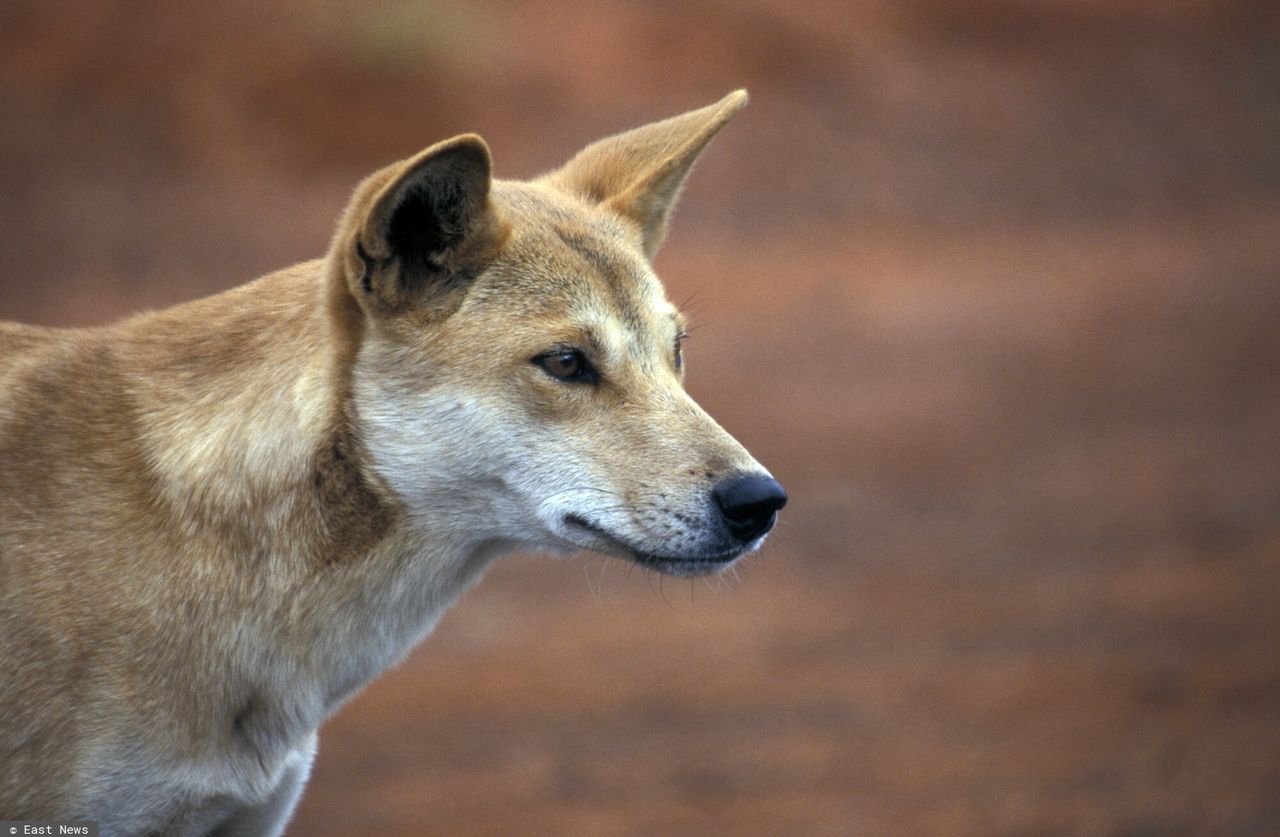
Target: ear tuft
(638, 174)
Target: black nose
(749, 504)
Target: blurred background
(992, 287)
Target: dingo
(221, 520)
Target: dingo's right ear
(421, 228)
(638, 174)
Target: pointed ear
(638, 174)
(422, 227)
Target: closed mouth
(669, 564)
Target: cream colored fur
(220, 521)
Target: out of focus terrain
(993, 288)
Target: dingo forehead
(566, 260)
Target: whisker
(691, 297)
(663, 593)
(585, 488)
(595, 595)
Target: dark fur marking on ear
(425, 224)
(366, 278)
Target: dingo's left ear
(638, 174)
(420, 228)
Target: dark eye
(567, 365)
(679, 352)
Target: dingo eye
(679, 351)
(567, 365)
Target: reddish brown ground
(993, 288)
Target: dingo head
(517, 375)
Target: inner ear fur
(638, 174)
(422, 227)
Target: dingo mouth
(668, 564)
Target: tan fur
(219, 521)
